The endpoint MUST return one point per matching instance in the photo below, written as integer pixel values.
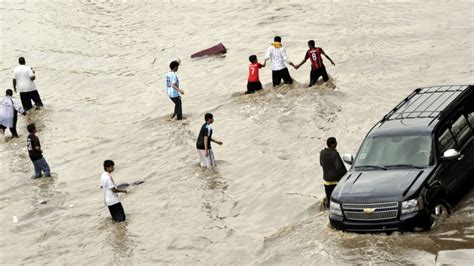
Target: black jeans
(27, 97)
(277, 75)
(315, 74)
(328, 189)
(117, 213)
(178, 111)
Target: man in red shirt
(253, 79)
(317, 67)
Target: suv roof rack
(431, 102)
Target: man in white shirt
(23, 81)
(107, 184)
(278, 56)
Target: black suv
(412, 165)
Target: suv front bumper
(404, 222)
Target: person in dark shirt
(317, 66)
(35, 153)
(333, 167)
(203, 143)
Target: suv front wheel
(437, 214)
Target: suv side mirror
(348, 158)
(450, 154)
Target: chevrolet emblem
(369, 210)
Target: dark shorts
(278, 75)
(117, 212)
(253, 86)
(315, 74)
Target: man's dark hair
(208, 116)
(331, 141)
(252, 58)
(174, 64)
(9, 92)
(31, 128)
(277, 39)
(21, 60)
(311, 43)
(108, 163)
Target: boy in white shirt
(107, 184)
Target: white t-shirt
(106, 183)
(278, 57)
(23, 74)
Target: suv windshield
(395, 151)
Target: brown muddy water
(100, 69)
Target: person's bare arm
(177, 88)
(327, 56)
(116, 190)
(206, 152)
(302, 62)
(216, 141)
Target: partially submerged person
(36, 153)
(277, 54)
(9, 109)
(110, 190)
(333, 168)
(253, 81)
(23, 81)
(317, 66)
(173, 90)
(203, 143)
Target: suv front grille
(370, 212)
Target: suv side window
(446, 141)
(461, 130)
(470, 117)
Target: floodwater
(100, 69)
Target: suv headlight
(335, 208)
(409, 206)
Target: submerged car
(412, 166)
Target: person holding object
(9, 113)
(23, 81)
(203, 143)
(110, 190)
(36, 153)
(277, 54)
(333, 168)
(317, 67)
(173, 90)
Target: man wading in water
(333, 168)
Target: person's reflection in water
(118, 239)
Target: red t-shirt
(314, 55)
(253, 72)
